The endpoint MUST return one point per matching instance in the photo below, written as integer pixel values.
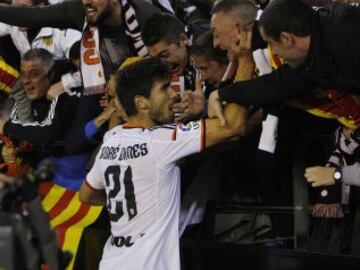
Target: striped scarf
(329, 199)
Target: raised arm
(271, 89)
(69, 14)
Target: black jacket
(51, 120)
(333, 61)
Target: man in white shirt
(136, 174)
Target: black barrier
(204, 255)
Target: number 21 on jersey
(113, 175)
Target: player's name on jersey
(124, 153)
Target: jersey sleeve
(181, 141)
(95, 177)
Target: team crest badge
(48, 41)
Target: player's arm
(236, 119)
(92, 196)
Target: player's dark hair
(137, 80)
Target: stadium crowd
(122, 95)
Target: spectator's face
(210, 71)
(225, 31)
(289, 47)
(35, 79)
(159, 102)
(97, 10)
(175, 55)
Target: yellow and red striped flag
(67, 215)
(8, 76)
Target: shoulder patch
(191, 126)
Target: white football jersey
(137, 168)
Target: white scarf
(91, 67)
(268, 138)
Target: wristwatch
(337, 175)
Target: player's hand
(215, 108)
(320, 176)
(110, 109)
(120, 112)
(192, 103)
(55, 90)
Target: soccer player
(136, 174)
